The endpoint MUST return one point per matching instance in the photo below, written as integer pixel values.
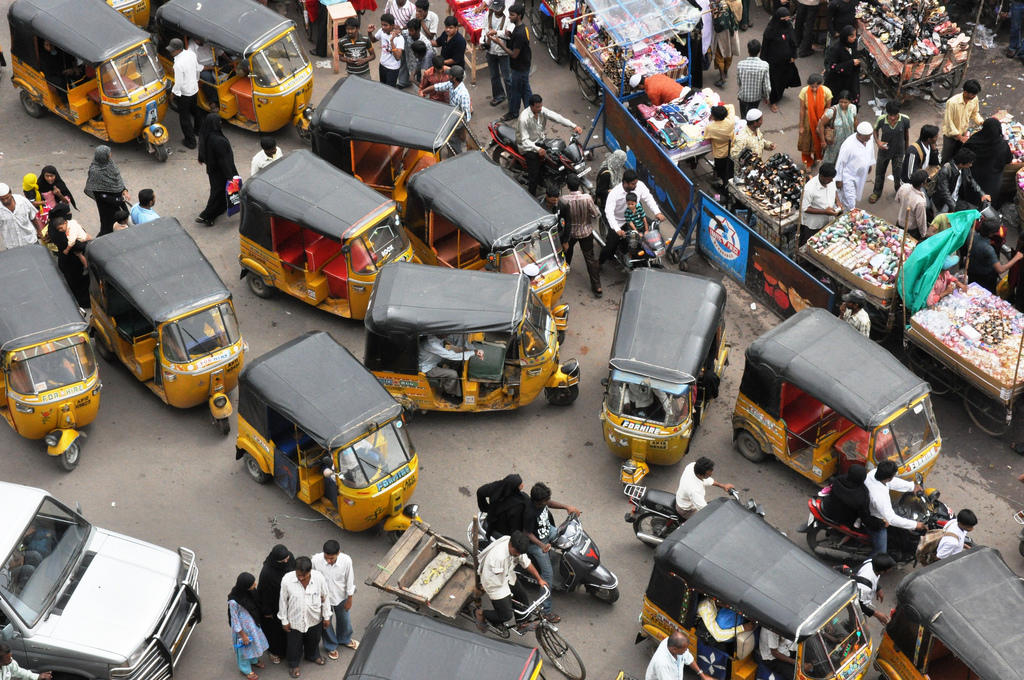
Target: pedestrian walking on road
(815, 98)
(778, 48)
(53, 188)
(992, 155)
(497, 57)
(842, 66)
(892, 134)
(304, 612)
(960, 112)
(105, 186)
(580, 213)
(842, 118)
(336, 567)
(243, 612)
(186, 89)
(856, 157)
(805, 23)
(216, 154)
(726, 25)
(278, 563)
(755, 85)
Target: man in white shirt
(497, 57)
(10, 670)
(204, 55)
(19, 220)
(955, 534)
(856, 157)
(433, 352)
(671, 658)
(880, 482)
(867, 584)
(776, 653)
(530, 129)
(304, 610)
(820, 203)
(615, 210)
(336, 567)
(392, 47)
(693, 483)
(497, 571)
(268, 153)
(428, 19)
(186, 87)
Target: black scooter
(653, 512)
(574, 557)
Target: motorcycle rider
(540, 528)
(530, 137)
(615, 210)
(879, 483)
(867, 584)
(848, 499)
(694, 481)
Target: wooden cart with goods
(940, 75)
(780, 228)
(437, 575)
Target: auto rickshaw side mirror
(346, 248)
(604, 382)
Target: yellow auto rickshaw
(48, 377)
(417, 308)
(159, 307)
(667, 358)
(383, 136)
(261, 79)
(86, 63)
(136, 11)
(726, 567)
(954, 620)
(317, 234)
(820, 397)
(455, 224)
(311, 418)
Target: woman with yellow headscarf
(30, 185)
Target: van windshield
(128, 72)
(34, 572)
(833, 644)
(373, 458)
(278, 62)
(51, 365)
(200, 334)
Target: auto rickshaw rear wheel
(258, 285)
(749, 448)
(31, 106)
(101, 348)
(562, 396)
(255, 471)
(69, 459)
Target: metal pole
(899, 273)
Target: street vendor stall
(913, 44)
(552, 22)
(680, 125)
(860, 251)
(772, 190)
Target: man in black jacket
(955, 188)
(923, 154)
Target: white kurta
(852, 166)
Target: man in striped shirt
(753, 79)
(579, 212)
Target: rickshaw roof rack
(365, 110)
(401, 645)
(159, 268)
(733, 554)
(666, 324)
(305, 189)
(317, 384)
(37, 304)
(968, 601)
(239, 26)
(415, 299)
(497, 217)
(831, 361)
(91, 31)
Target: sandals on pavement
(333, 655)
(252, 676)
(274, 658)
(353, 644)
(319, 661)
(294, 672)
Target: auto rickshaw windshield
(634, 400)
(386, 241)
(201, 333)
(830, 646)
(537, 324)
(278, 62)
(373, 458)
(909, 434)
(539, 250)
(135, 69)
(51, 365)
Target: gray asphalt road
(166, 476)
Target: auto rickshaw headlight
(156, 130)
(52, 439)
(307, 113)
(411, 510)
(220, 401)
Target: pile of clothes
(913, 30)
(681, 124)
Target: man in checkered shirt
(754, 82)
(458, 96)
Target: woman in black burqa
(268, 594)
(105, 186)
(842, 67)
(51, 182)
(216, 154)
(778, 48)
(992, 156)
(848, 500)
(505, 505)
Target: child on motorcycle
(635, 216)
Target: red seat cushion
(292, 252)
(804, 412)
(320, 251)
(336, 272)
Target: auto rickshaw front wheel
(223, 425)
(161, 153)
(255, 471)
(31, 106)
(562, 396)
(69, 459)
(749, 448)
(258, 285)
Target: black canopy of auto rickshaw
(238, 26)
(732, 554)
(312, 193)
(36, 304)
(158, 268)
(402, 645)
(666, 325)
(497, 218)
(972, 602)
(413, 299)
(831, 361)
(359, 109)
(316, 383)
(90, 31)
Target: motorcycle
(653, 512)
(646, 250)
(1019, 518)
(561, 158)
(839, 542)
(574, 557)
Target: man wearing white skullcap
(750, 137)
(19, 224)
(660, 88)
(856, 156)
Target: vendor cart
(941, 74)
(782, 231)
(552, 22)
(428, 571)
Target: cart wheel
(944, 88)
(395, 605)
(561, 653)
(924, 365)
(990, 418)
(254, 470)
(749, 448)
(69, 459)
(590, 88)
(258, 285)
(31, 106)
(553, 40)
(562, 396)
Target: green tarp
(922, 268)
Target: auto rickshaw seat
(803, 413)
(292, 251)
(372, 162)
(336, 272)
(452, 247)
(93, 95)
(290, 445)
(242, 90)
(320, 252)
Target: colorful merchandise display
(473, 20)
(913, 31)
(776, 185)
(979, 328)
(681, 124)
